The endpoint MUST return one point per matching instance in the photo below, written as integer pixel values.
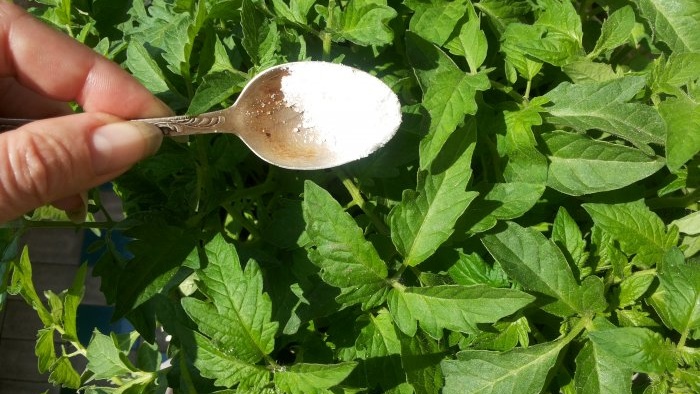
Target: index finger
(58, 67)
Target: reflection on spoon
(303, 115)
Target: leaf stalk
(365, 206)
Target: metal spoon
(303, 115)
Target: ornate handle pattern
(187, 125)
(170, 126)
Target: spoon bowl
(302, 115)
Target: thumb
(51, 159)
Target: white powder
(348, 111)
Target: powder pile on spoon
(348, 111)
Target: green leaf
(521, 370)
(677, 299)
(71, 300)
(147, 71)
(457, 308)
(176, 44)
(214, 89)
(604, 106)
(504, 12)
(436, 21)
(63, 373)
(471, 269)
(676, 23)
(159, 251)
(581, 165)
(689, 224)
(55, 307)
(592, 293)
(540, 266)
(447, 103)
(425, 218)
(554, 38)
(148, 357)
(296, 11)
(560, 16)
(379, 346)
(237, 318)
(105, 359)
(448, 93)
(221, 59)
(553, 48)
(312, 378)
(679, 69)
(682, 117)
(634, 286)
(9, 250)
(598, 372)
(639, 230)
(616, 30)
(45, 350)
(171, 34)
(261, 40)
(470, 43)
(583, 71)
(640, 349)
(517, 57)
(421, 357)
(225, 368)
(503, 201)
(525, 162)
(22, 284)
(606, 249)
(505, 335)
(365, 22)
(347, 260)
(567, 235)
(378, 338)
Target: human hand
(56, 160)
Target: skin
(55, 160)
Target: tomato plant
(532, 227)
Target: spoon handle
(207, 123)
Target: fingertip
(74, 206)
(52, 159)
(117, 146)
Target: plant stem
(366, 207)
(399, 272)
(526, 96)
(326, 35)
(397, 285)
(61, 224)
(254, 191)
(507, 90)
(674, 202)
(98, 201)
(684, 337)
(580, 326)
(243, 221)
(79, 348)
(203, 178)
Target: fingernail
(117, 146)
(78, 214)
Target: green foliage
(521, 370)
(345, 258)
(532, 227)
